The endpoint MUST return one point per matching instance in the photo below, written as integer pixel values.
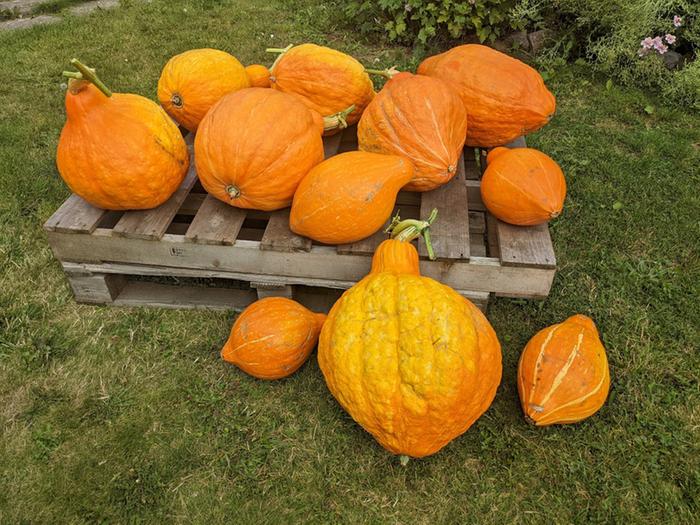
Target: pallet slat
(278, 237)
(75, 216)
(215, 223)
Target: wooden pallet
(195, 251)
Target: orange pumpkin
(348, 197)
(193, 81)
(272, 338)
(504, 97)
(563, 374)
(254, 147)
(326, 80)
(258, 75)
(118, 151)
(420, 118)
(523, 186)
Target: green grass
(117, 416)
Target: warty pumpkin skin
(326, 80)
(411, 360)
(420, 118)
(258, 75)
(348, 197)
(193, 81)
(504, 97)
(523, 186)
(254, 147)
(272, 338)
(563, 374)
(118, 151)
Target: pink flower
(677, 21)
(647, 43)
(670, 39)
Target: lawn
(117, 415)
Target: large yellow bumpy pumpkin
(563, 374)
(410, 359)
(118, 151)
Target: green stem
(280, 50)
(386, 73)
(403, 459)
(88, 74)
(337, 120)
(410, 229)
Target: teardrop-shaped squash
(348, 197)
(272, 338)
(563, 374)
(523, 186)
(420, 118)
(258, 75)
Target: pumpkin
(411, 360)
(193, 81)
(348, 197)
(272, 338)
(258, 75)
(326, 80)
(255, 145)
(563, 374)
(522, 186)
(420, 118)
(118, 151)
(504, 97)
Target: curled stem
(410, 229)
(386, 73)
(280, 50)
(337, 120)
(88, 74)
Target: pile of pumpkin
(410, 359)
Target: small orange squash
(272, 338)
(193, 81)
(504, 97)
(348, 197)
(522, 186)
(254, 147)
(118, 151)
(420, 118)
(411, 360)
(258, 75)
(326, 80)
(563, 374)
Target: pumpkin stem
(337, 120)
(386, 73)
(233, 191)
(403, 459)
(410, 229)
(87, 74)
(280, 50)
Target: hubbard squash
(348, 197)
(255, 145)
(272, 338)
(420, 118)
(326, 80)
(523, 186)
(193, 81)
(118, 151)
(504, 97)
(563, 374)
(410, 359)
(258, 75)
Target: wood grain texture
(75, 215)
(278, 237)
(215, 223)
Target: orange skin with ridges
(258, 75)
(523, 186)
(326, 80)
(260, 142)
(420, 118)
(120, 152)
(193, 81)
(348, 197)
(411, 360)
(563, 374)
(272, 338)
(504, 97)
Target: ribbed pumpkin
(523, 186)
(410, 359)
(258, 75)
(254, 147)
(118, 151)
(348, 197)
(272, 338)
(563, 375)
(326, 80)
(504, 97)
(193, 81)
(420, 118)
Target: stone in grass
(19, 7)
(538, 39)
(672, 60)
(23, 23)
(89, 7)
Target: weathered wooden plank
(272, 289)
(332, 143)
(472, 171)
(278, 237)
(95, 288)
(142, 293)
(492, 236)
(365, 246)
(75, 215)
(215, 223)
